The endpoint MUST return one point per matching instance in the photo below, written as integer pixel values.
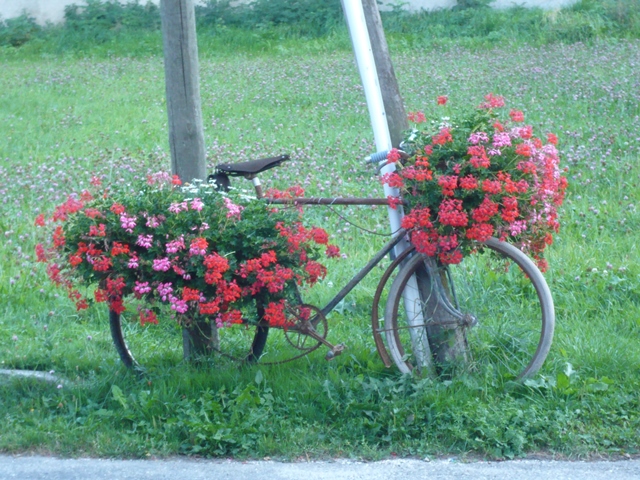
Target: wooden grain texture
(393, 103)
(186, 134)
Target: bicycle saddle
(253, 167)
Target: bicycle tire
(513, 308)
(143, 347)
(377, 320)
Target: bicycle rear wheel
(498, 296)
(149, 346)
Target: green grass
(67, 117)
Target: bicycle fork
(432, 312)
(441, 319)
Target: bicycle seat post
(256, 184)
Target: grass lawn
(65, 118)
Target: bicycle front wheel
(156, 346)
(497, 299)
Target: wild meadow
(66, 118)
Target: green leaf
(119, 396)
(598, 387)
(562, 381)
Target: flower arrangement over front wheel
(190, 248)
(480, 176)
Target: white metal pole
(368, 73)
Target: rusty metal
(306, 327)
(375, 324)
(328, 201)
(363, 272)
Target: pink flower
(141, 288)
(478, 137)
(159, 177)
(145, 241)
(164, 289)
(178, 305)
(128, 223)
(501, 139)
(176, 245)
(517, 227)
(233, 209)
(178, 207)
(153, 222)
(196, 204)
(161, 264)
(133, 262)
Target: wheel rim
(149, 346)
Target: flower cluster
(479, 177)
(190, 248)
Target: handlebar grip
(377, 157)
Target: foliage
(200, 252)
(307, 18)
(465, 4)
(98, 22)
(583, 21)
(224, 26)
(477, 177)
(97, 17)
(18, 31)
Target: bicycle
(428, 305)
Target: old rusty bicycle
(494, 310)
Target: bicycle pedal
(335, 351)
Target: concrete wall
(52, 10)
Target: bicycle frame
(249, 170)
(399, 237)
(441, 285)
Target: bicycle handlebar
(377, 157)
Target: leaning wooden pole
(393, 103)
(186, 133)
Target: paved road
(50, 468)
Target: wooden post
(393, 103)
(186, 133)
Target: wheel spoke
(499, 290)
